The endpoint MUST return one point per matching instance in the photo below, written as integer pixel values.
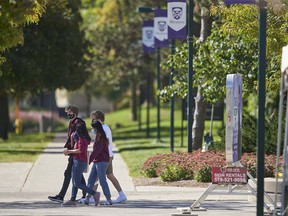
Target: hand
(65, 152)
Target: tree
(222, 53)
(114, 29)
(14, 15)
(53, 55)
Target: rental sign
(229, 175)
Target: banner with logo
(161, 28)
(148, 36)
(233, 133)
(177, 13)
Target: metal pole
(172, 46)
(190, 75)
(148, 107)
(158, 97)
(261, 107)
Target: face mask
(93, 131)
(71, 116)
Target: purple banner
(177, 13)
(228, 2)
(161, 28)
(148, 36)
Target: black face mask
(71, 116)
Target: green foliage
(173, 172)
(53, 55)
(231, 48)
(203, 174)
(13, 16)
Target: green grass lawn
(23, 147)
(132, 143)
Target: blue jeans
(77, 172)
(98, 170)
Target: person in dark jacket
(72, 114)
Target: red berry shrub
(198, 165)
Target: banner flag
(177, 19)
(148, 36)
(161, 28)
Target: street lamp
(190, 75)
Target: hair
(100, 131)
(98, 115)
(71, 108)
(82, 131)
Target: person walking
(82, 140)
(72, 114)
(100, 116)
(100, 159)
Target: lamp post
(190, 75)
(261, 105)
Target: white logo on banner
(177, 12)
(176, 15)
(160, 28)
(148, 36)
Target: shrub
(197, 165)
(203, 174)
(173, 172)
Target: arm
(72, 151)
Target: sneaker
(91, 199)
(69, 203)
(97, 198)
(120, 199)
(56, 199)
(107, 202)
(82, 200)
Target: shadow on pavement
(141, 204)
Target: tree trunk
(4, 116)
(199, 122)
(200, 106)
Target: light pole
(190, 75)
(261, 105)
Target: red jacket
(100, 152)
(71, 129)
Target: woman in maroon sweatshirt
(100, 159)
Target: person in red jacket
(82, 140)
(72, 114)
(100, 159)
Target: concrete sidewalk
(24, 188)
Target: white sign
(233, 133)
(284, 62)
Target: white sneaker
(107, 202)
(120, 199)
(82, 200)
(91, 200)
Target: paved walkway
(24, 188)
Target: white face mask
(93, 131)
